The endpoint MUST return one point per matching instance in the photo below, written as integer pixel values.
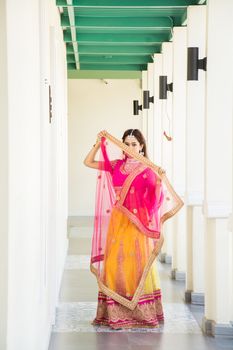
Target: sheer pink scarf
(144, 195)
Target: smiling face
(133, 144)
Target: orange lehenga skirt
(126, 253)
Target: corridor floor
(78, 301)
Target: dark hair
(138, 135)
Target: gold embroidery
(119, 298)
(132, 190)
(120, 280)
(137, 222)
(127, 168)
(146, 315)
(160, 171)
(138, 260)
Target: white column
(166, 158)
(218, 169)
(167, 57)
(144, 112)
(158, 132)
(32, 246)
(196, 37)
(150, 113)
(178, 143)
(4, 174)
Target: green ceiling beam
(117, 36)
(114, 49)
(122, 39)
(123, 31)
(128, 67)
(135, 67)
(111, 59)
(126, 12)
(128, 3)
(103, 74)
(118, 22)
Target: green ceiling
(117, 38)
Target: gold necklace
(128, 166)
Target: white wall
(94, 106)
(34, 245)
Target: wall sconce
(164, 87)
(194, 63)
(147, 99)
(136, 107)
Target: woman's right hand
(100, 134)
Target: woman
(133, 199)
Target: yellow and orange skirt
(126, 254)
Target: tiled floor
(77, 307)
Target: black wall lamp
(136, 107)
(164, 87)
(147, 99)
(194, 63)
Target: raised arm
(90, 158)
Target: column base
(168, 259)
(210, 327)
(165, 258)
(194, 298)
(198, 298)
(178, 275)
(162, 257)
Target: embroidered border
(159, 171)
(137, 222)
(131, 304)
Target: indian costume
(133, 199)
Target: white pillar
(144, 112)
(166, 159)
(150, 113)
(218, 169)
(196, 37)
(4, 174)
(29, 252)
(178, 148)
(158, 132)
